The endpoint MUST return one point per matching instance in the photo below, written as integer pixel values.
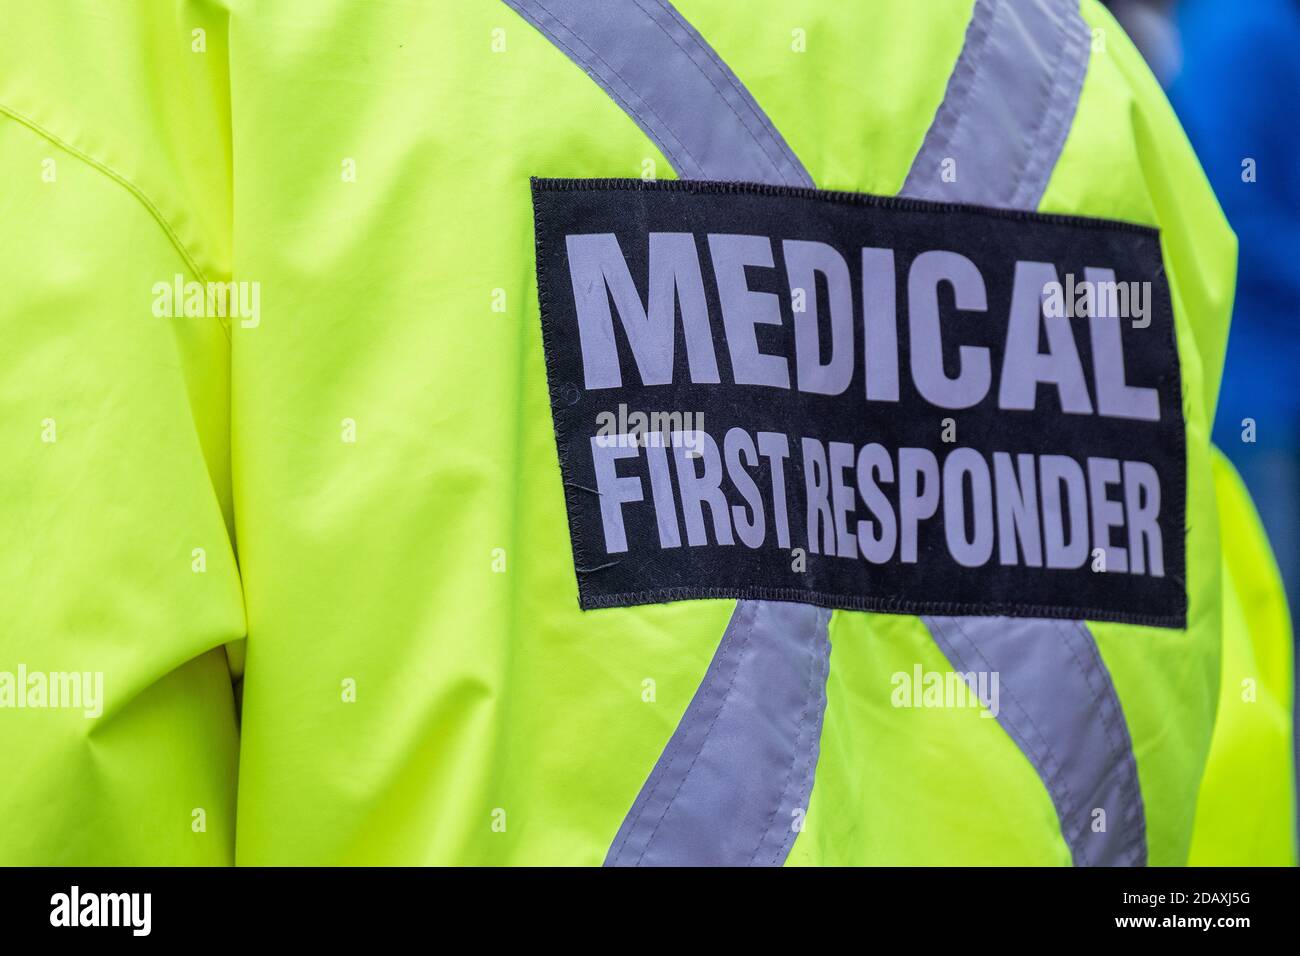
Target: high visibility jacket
(307, 565)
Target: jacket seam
(122, 181)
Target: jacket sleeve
(1245, 815)
(118, 584)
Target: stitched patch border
(631, 209)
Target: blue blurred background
(1232, 71)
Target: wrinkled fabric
(339, 504)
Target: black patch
(949, 573)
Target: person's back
(446, 656)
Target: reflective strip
(672, 84)
(1008, 108)
(1057, 702)
(739, 748)
(739, 767)
(733, 782)
(1004, 127)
